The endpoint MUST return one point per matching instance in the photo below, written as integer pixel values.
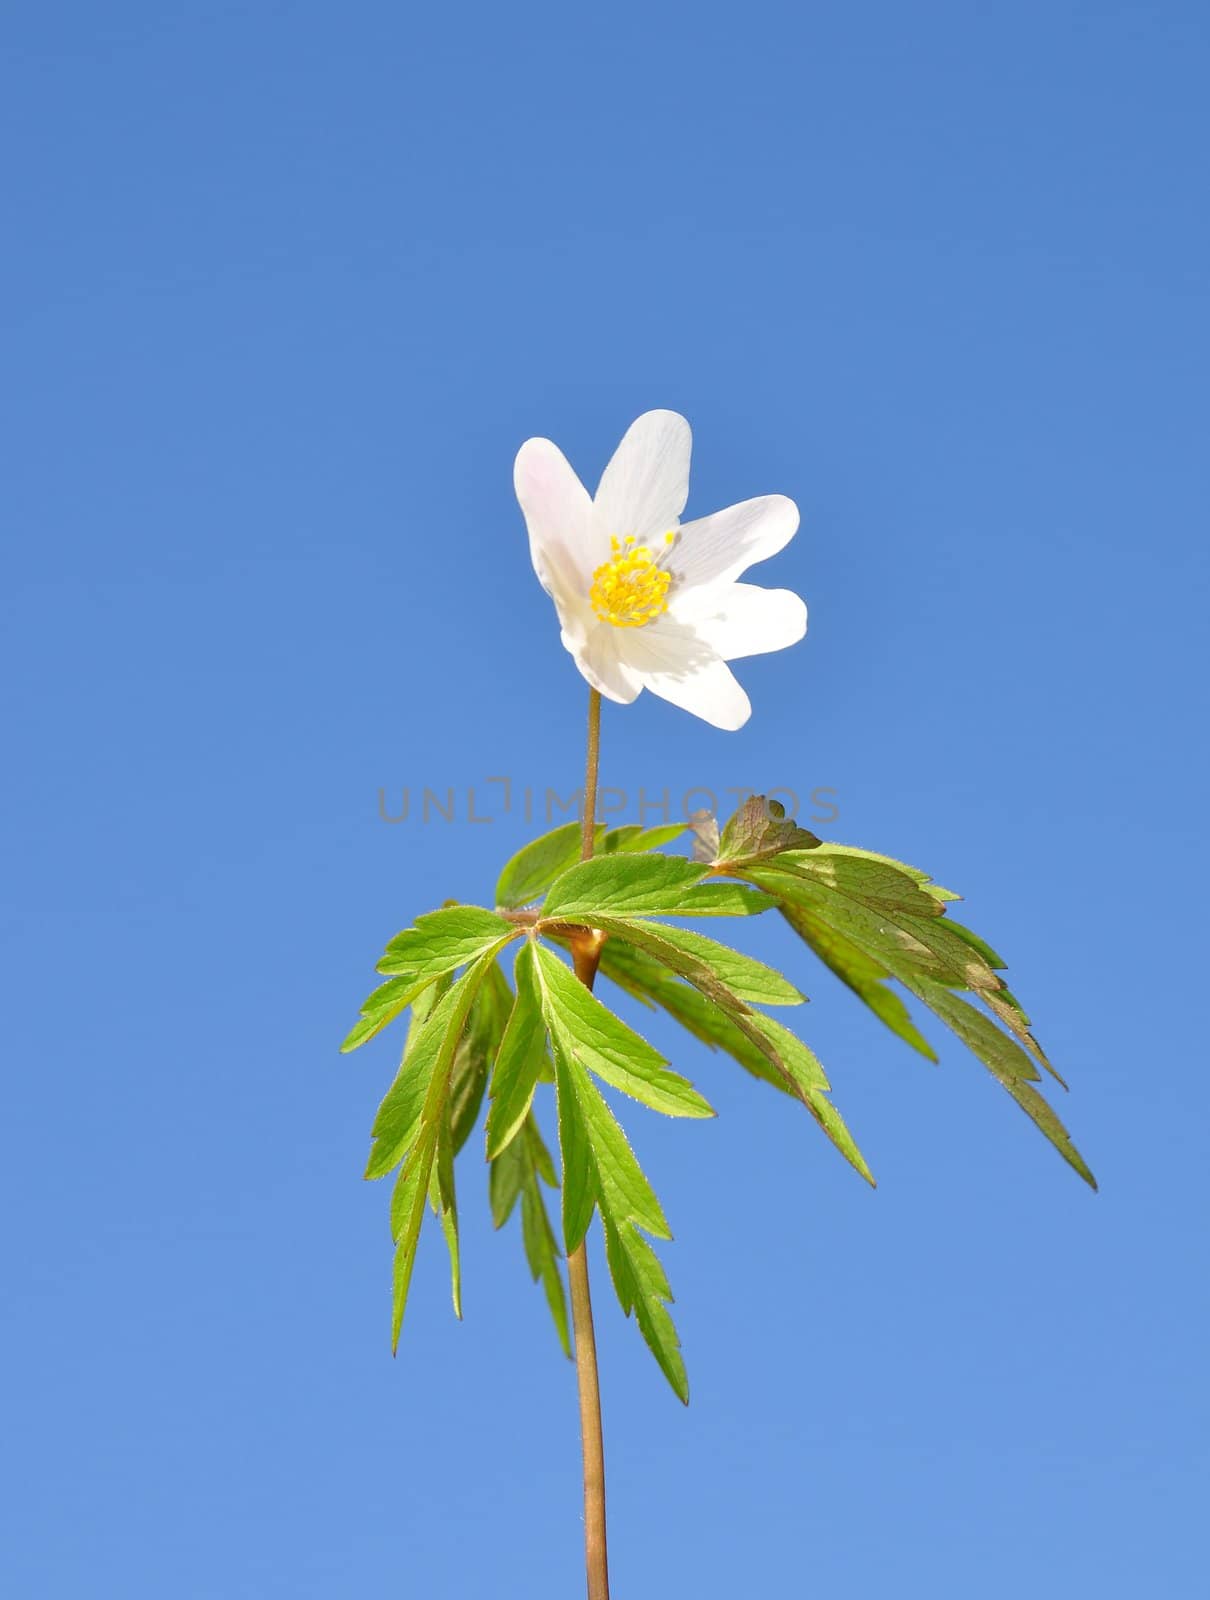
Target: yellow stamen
(631, 590)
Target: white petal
(644, 488)
(599, 660)
(742, 619)
(718, 548)
(558, 514)
(681, 668)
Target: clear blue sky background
(285, 287)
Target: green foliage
(875, 922)
(390, 1000)
(653, 984)
(645, 886)
(514, 1174)
(443, 1199)
(865, 976)
(871, 883)
(477, 1051)
(609, 1178)
(583, 1028)
(444, 940)
(723, 1018)
(813, 1088)
(642, 1287)
(713, 967)
(519, 1059)
(411, 1122)
(633, 837)
(537, 864)
(430, 1050)
(873, 919)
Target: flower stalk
(586, 955)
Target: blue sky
(286, 287)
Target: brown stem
(591, 763)
(586, 953)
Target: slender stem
(596, 1553)
(591, 765)
(585, 958)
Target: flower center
(631, 589)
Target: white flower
(644, 601)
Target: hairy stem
(585, 957)
(591, 765)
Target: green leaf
(407, 1214)
(444, 1202)
(476, 1051)
(388, 1001)
(505, 1179)
(1005, 1005)
(581, 1026)
(977, 944)
(632, 837)
(598, 1163)
(645, 885)
(931, 959)
(519, 1060)
(424, 1005)
(653, 984)
(875, 884)
(761, 1045)
(890, 916)
(813, 1089)
(746, 978)
(642, 1287)
(537, 864)
(579, 1170)
(957, 955)
(621, 1183)
(430, 1056)
(921, 879)
(864, 976)
(428, 1062)
(930, 946)
(706, 1019)
(600, 1169)
(650, 937)
(541, 1246)
(759, 829)
(953, 945)
(542, 1254)
(1007, 1063)
(514, 1174)
(444, 940)
(874, 932)
(543, 1165)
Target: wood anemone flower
(646, 601)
